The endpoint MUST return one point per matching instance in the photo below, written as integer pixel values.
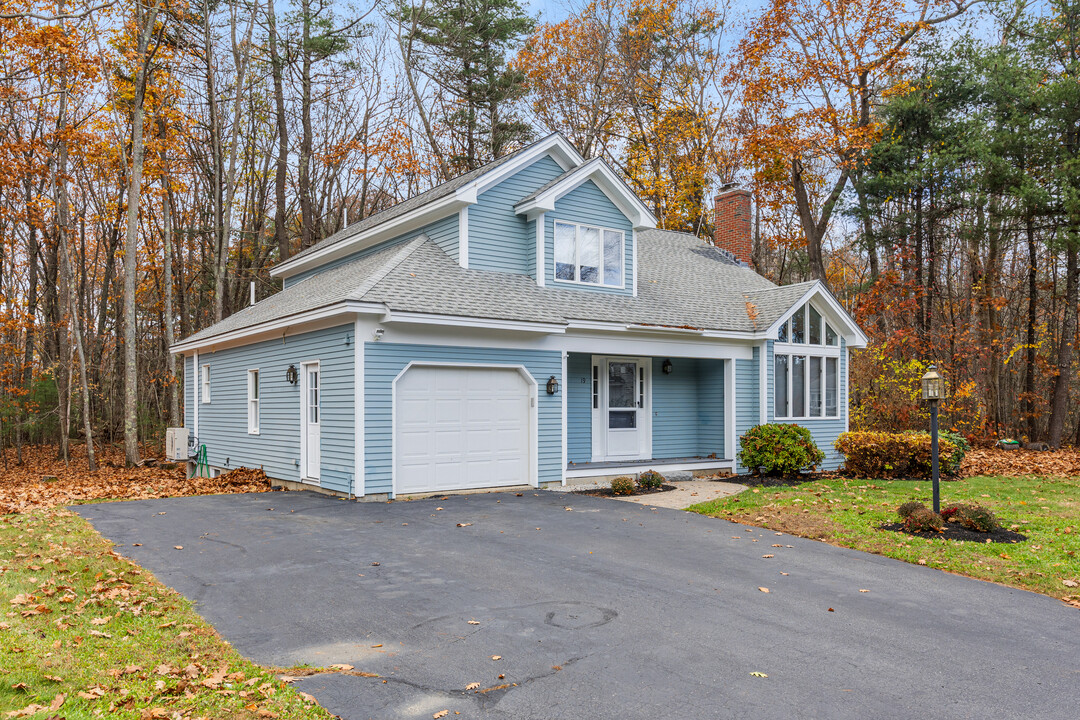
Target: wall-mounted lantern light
(667, 367)
(552, 385)
(291, 375)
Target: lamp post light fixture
(933, 391)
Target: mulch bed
(606, 492)
(960, 533)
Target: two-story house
(523, 324)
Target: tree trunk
(303, 179)
(131, 256)
(167, 280)
(814, 229)
(217, 171)
(277, 70)
(1030, 416)
(1060, 403)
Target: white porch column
(731, 448)
(358, 411)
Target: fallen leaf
(1070, 583)
(308, 698)
(768, 556)
(441, 713)
(763, 589)
(57, 701)
(831, 610)
(341, 666)
(864, 591)
(474, 622)
(464, 524)
(178, 547)
(759, 674)
(496, 657)
(32, 709)
(377, 646)
(472, 686)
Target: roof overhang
(604, 178)
(832, 309)
(555, 145)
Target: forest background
(920, 157)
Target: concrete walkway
(685, 494)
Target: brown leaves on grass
(23, 487)
(1015, 463)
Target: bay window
(589, 255)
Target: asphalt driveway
(580, 607)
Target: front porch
(628, 414)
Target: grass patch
(85, 633)
(847, 512)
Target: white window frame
(577, 253)
(205, 375)
(792, 350)
(786, 327)
(253, 397)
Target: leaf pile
(1017, 463)
(44, 481)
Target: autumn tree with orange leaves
(809, 74)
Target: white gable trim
(559, 148)
(604, 178)
(541, 249)
(834, 312)
(463, 237)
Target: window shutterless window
(589, 255)
(805, 386)
(253, 402)
(206, 383)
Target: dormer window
(589, 255)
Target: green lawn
(848, 512)
(93, 635)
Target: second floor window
(589, 255)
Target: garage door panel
(459, 428)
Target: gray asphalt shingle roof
(682, 282)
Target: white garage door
(461, 427)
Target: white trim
(195, 394)
(709, 463)
(463, 237)
(633, 258)
(560, 149)
(840, 316)
(541, 249)
(846, 389)
(534, 415)
(359, 421)
(287, 323)
(458, 321)
(253, 429)
(780, 348)
(205, 390)
(763, 383)
(731, 436)
(800, 351)
(304, 366)
(605, 179)
(577, 255)
(599, 413)
(564, 417)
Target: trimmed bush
(779, 449)
(978, 518)
(909, 507)
(623, 485)
(650, 480)
(924, 520)
(883, 455)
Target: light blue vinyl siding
(578, 407)
(687, 408)
(588, 204)
(384, 361)
(443, 232)
(747, 398)
(824, 430)
(189, 392)
(223, 421)
(500, 239)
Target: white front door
(458, 427)
(310, 435)
(625, 413)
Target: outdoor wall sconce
(667, 367)
(291, 375)
(378, 334)
(552, 385)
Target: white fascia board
(463, 321)
(301, 322)
(606, 326)
(852, 333)
(388, 230)
(558, 147)
(609, 183)
(664, 329)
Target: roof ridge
(376, 277)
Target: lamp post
(933, 390)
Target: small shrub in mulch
(650, 480)
(963, 522)
(622, 485)
(779, 449)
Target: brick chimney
(732, 221)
